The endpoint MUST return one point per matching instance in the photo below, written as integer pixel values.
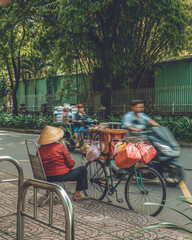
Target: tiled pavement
(94, 220)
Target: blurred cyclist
(136, 120)
(80, 117)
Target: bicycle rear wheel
(143, 185)
(97, 180)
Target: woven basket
(106, 137)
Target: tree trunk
(14, 90)
(106, 101)
(14, 98)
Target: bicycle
(144, 184)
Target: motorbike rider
(136, 120)
(167, 147)
(80, 117)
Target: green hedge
(23, 121)
(181, 127)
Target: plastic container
(58, 114)
(64, 113)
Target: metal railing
(19, 169)
(67, 206)
(20, 172)
(170, 100)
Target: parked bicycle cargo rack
(67, 206)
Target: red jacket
(56, 159)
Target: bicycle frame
(141, 180)
(112, 187)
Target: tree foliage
(26, 41)
(125, 38)
(15, 20)
(118, 41)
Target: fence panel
(161, 100)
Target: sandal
(80, 197)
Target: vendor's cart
(106, 138)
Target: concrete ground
(94, 220)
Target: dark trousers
(78, 174)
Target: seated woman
(57, 161)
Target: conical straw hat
(50, 135)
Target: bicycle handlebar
(145, 132)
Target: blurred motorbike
(168, 150)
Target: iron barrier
(67, 206)
(19, 169)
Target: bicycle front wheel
(97, 180)
(144, 185)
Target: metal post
(20, 174)
(19, 169)
(76, 61)
(77, 82)
(173, 108)
(124, 107)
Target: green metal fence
(176, 100)
(164, 100)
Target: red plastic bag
(128, 156)
(93, 152)
(147, 152)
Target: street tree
(25, 43)
(122, 39)
(15, 22)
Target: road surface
(13, 144)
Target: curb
(33, 131)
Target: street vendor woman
(57, 162)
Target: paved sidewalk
(94, 220)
